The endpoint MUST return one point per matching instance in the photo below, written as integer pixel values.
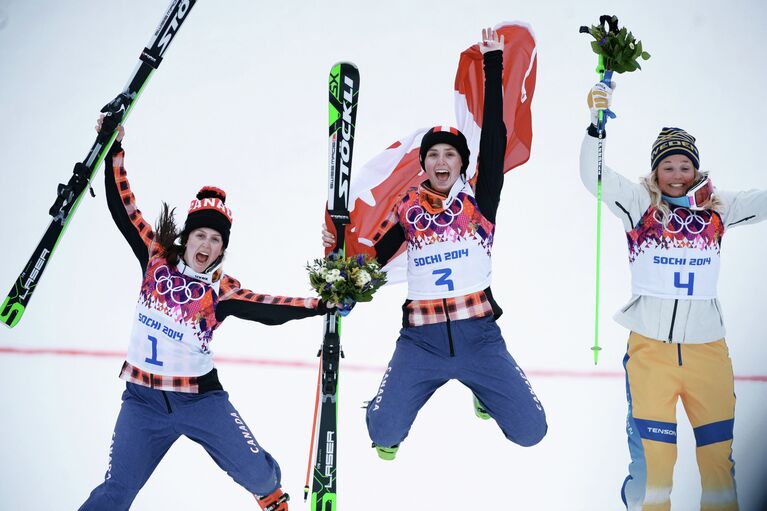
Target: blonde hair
(650, 182)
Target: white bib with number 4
(676, 273)
(676, 256)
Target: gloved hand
(600, 98)
(107, 124)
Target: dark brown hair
(166, 233)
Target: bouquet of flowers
(345, 281)
(620, 51)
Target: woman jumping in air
(172, 387)
(449, 318)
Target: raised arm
(627, 200)
(122, 203)
(492, 141)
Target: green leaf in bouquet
(626, 54)
(620, 51)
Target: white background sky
(241, 102)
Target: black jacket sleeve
(266, 313)
(389, 244)
(269, 310)
(492, 142)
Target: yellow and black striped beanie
(674, 141)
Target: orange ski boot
(275, 501)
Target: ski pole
(605, 76)
(618, 52)
(307, 487)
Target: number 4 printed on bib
(684, 285)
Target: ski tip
(10, 313)
(344, 63)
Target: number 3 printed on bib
(444, 280)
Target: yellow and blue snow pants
(658, 374)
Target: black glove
(113, 115)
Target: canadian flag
(381, 182)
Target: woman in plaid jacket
(172, 387)
(449, 328)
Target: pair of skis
(343, 94)
(343, 91)
(69, 195)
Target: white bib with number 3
(447, 269)
(448, 251)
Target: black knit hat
(445, 135)
(674, 141)
(209, 210)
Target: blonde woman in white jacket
(674, 222)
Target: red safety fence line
(224, 359)
(66, 352)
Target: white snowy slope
(240, 102)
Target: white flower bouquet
(345, 281)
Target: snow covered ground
(57, 428)
(240, 102)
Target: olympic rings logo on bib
(416, 216)
(693, 222)
(181, 290)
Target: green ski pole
(617, 51)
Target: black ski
(69, 195)
(343, 90)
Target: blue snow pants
(471, 351)
(151, 420)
